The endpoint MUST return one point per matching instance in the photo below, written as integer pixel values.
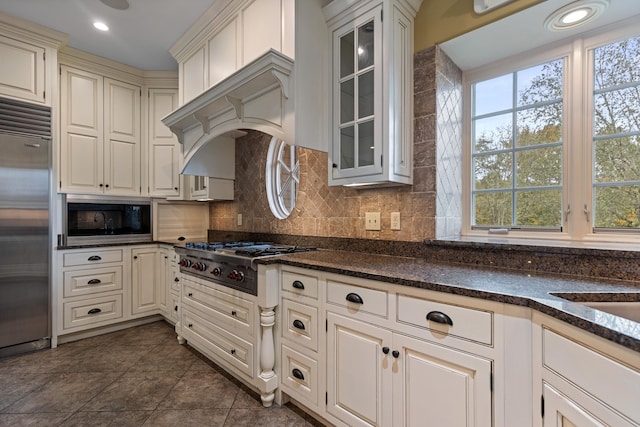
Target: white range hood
(258, 96)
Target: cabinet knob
(385, 350)
(354, 298)
(190, 294)
(176, 279)
(135, 257)
(190, 325)
(298, 284)
(334, 165)
(298, 324)
(175, 188)
(297, 373)
(233, 312)
(395, 353)
(233, 351)
(439, 317)
(101, 185)
(175, 308)
(106, 185)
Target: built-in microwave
(95, 220)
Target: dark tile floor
(135, 377)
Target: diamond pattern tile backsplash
(433, 202)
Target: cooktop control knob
(236, 275)
(199, 266)
(217, 271)
(185, 262)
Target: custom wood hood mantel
(251, 64)
(255, 97)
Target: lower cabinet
(99, 287)
(145, 295)
(583, 380)
(379, 359)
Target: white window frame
(276, 166)
(576, 134)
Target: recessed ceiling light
(101, 26)
(575, 14)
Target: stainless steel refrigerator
(25, 249)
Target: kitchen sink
(625, 305)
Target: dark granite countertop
(534, 290)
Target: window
(538, 165)
(517, 148)
(282, 177)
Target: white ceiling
(140, 36)
(524, 31)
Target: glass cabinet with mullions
(372, 83)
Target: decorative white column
(267, 355)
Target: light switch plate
(372, 221)
(239, 219)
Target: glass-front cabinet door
(357, 130)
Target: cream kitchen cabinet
(164, 149)
(22, 70)
(302, 350)
(583, 380)
(100, 134)
(93, 289)
(28, 69)
(380, 376)
(372, 92)
(145, 286)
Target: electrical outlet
(239, 219)
(372, 221)
(395, 220)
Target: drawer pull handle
(175, 308)
(94, 282)
(94, 311)
(233, 351)
(395, 353)
(233, 312)
(190, 325)
(385, 350)
(298, 284)
(94, 258)
(190, 294)
(354, 298)
(176, 279)
(297, 373)
(439, 317)
(298, 324)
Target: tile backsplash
(340, 211)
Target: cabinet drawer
(95, 280)
(173, 307)
(299, 375)
(219, 343)
(234, 312)
(467, 323)
(607, 380)
(300, 284)
(300, 324)
(345, 295)
(93, 312)
(73, 258)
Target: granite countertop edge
(536, 291)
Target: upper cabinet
(164, 150)
(252, 64)
(372, 92)
(100, 134)
(29, 57)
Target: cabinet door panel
(223, 53)
(144, 290)
(193, 76)
(441, 385)
(122, 166)
(82, 111)
(562, 412)
(262, 29)
(21, 70)
(359, 373)
(164, 151)
(81, 160)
